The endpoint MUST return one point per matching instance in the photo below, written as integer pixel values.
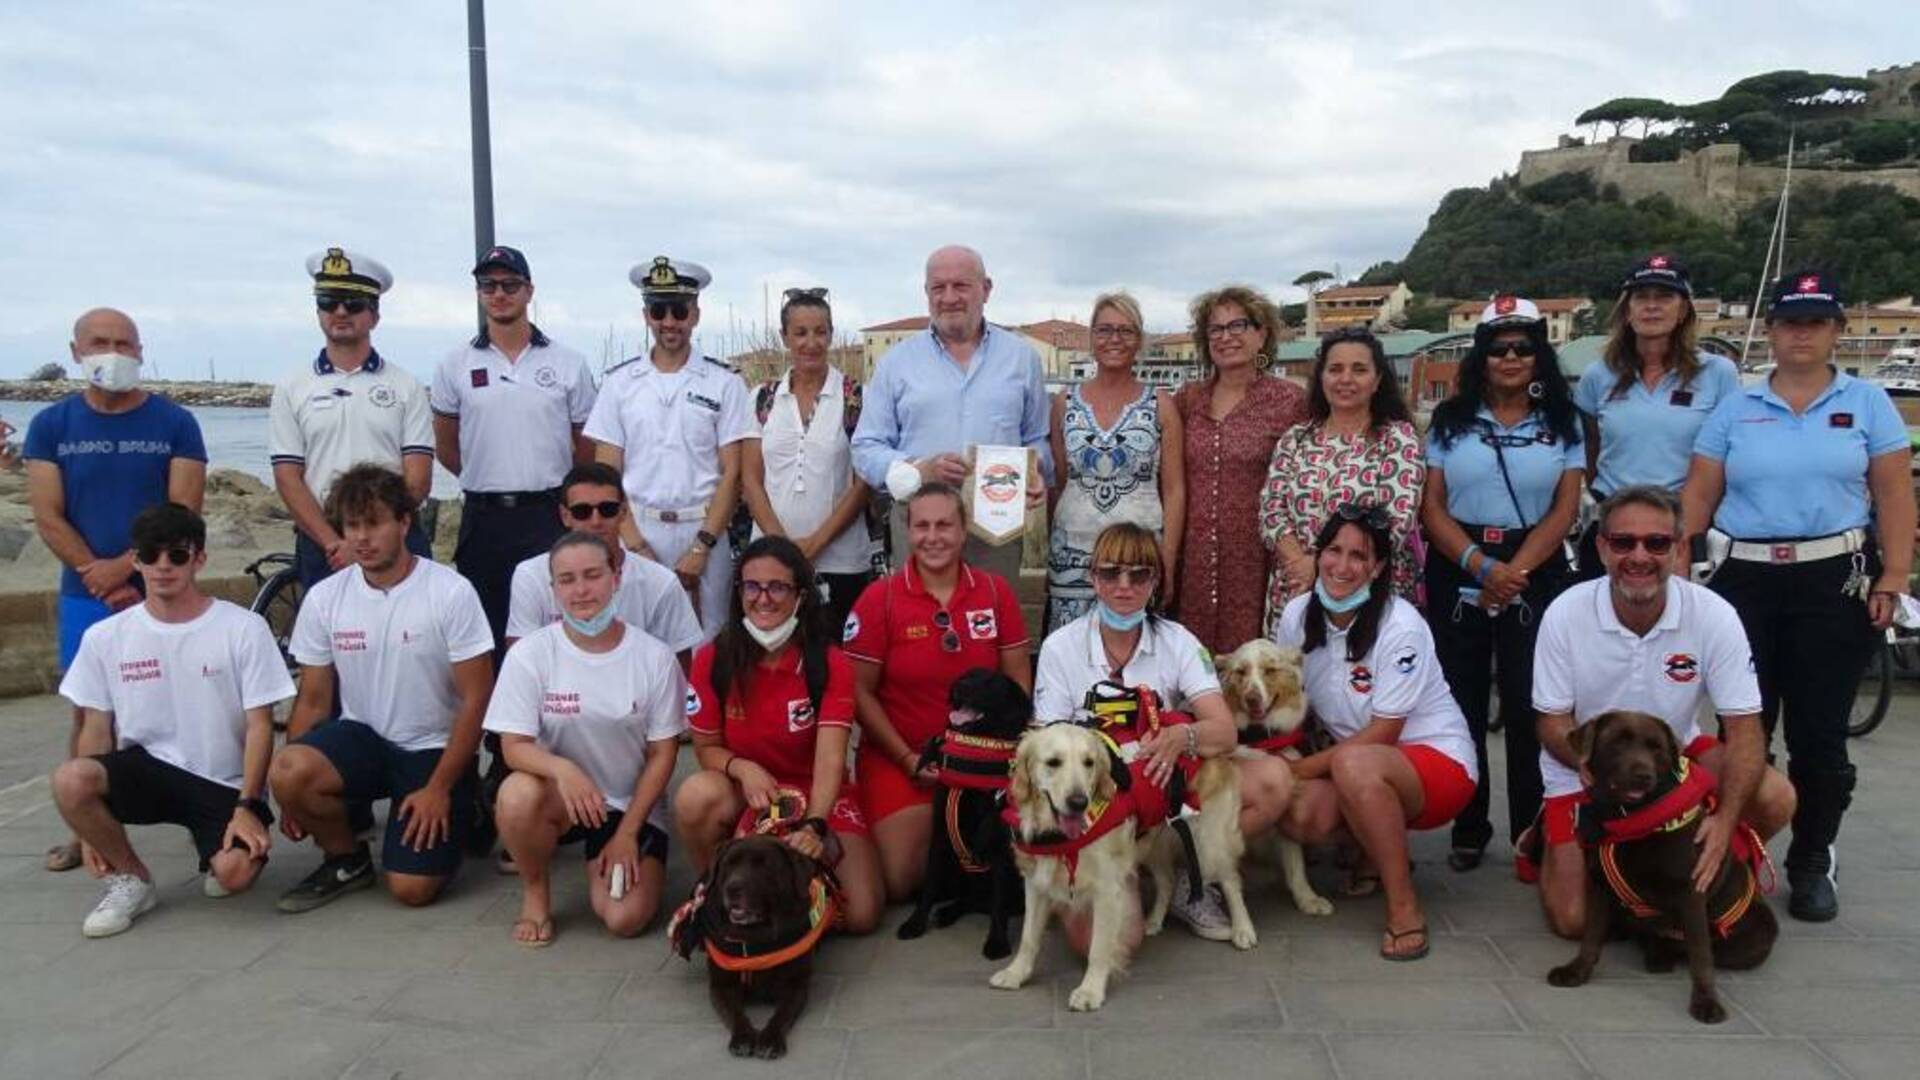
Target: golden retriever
(1263, 685)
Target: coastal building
(1061, 344)
(765, 365)
(1561, 312)
(1373, 306)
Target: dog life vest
(688, 928)
(968, 763)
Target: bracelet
(1193, 741)
(1486, 568)
(1467, 556)
(727, 769)
(818, 825)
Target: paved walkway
(204, 988)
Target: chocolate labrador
(1645, 805)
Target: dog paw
(949, 914)
(1706, 1008)
(1154, 926)
(1314, 904)
(1086, 999)
(997, 949)
(1008, 978)
(1568, 975)
(912, 928)
(770, 1045)
(742, 1044)
(1245, 938)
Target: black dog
(1646, 805)
(970, 863)
(759, 913)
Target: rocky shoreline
(242, 395)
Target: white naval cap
(669, 277)
(1507, 310)
(337, 270)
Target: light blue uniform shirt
(1799, 477)
(1476, 492)
(1646, 436)
(921, 402)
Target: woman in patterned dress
(1117, 442)
(1233, 419)
(1358, 447)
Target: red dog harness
(1263, 740)
(975, 762)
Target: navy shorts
(372, 768)
(143, 790)
(74, 615)
(652, 842)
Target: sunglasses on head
(177, 555)
(660, 309)
(776, 591)
(489, 286)
(354, 304)
(1624, 543)
(1501, 349)
(1372, 516)
(1132, 575)
(949, 638)
(818, 292)
(581, 511)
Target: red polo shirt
(896, 624)
(773, 723)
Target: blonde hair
(1249, 299)
(1126, 544)
(1622, 353)
(1123, 302)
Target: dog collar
(1264, 740)
(687, 929)
(1682, 798)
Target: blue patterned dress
(1112, 475)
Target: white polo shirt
(597, 710)
(329, 420)
(516, 416)
(649, 597)
(181, 690)
(670, 428)
(392, 651)
(1168, 658)
(1586, 663)
(1398, 679)
(809, 467)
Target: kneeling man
(1645, 640)
(189, 682)
(409, 644)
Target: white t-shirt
(808, 468)
(598, 711)
(181, 690)
(1168, 658)
(393, 651)
(1586, 663)
(649, 597)
(1398, 679)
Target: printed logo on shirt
(693, 702)
(1406, 662)
(545, 378)
(560, 703)
(208, 671)
(918, 632)
(1682, 667)
(133, 671)
(349, 641)
(1360, 677)
(799, 715)
(703, 401)
(982, 625)
(381, 395)
(478, 377)
(1840, 420)
(852, 630)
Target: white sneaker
(1206, 916)
(211, 886)
(126, 899)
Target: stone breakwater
(245, 395)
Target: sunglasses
(1522, 349)
(581, 511)
(489, 286)
(949, 639)
(354, 305)
(660, 309)
(1624, 543)
(776, 591)
(151, 554)
(1371, 516)
(818, 292)
(1130, 575)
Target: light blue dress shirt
(1646, 436)
(921, 402)
(1477, 493)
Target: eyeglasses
(1130, 575)
(1365, 513)
(818, 292)
(1624, 543)
(354, 305)
(777, 591)
(1500, 350)
(489, 286)
(660, 309)
(1115, 333)
(949, 639)
(150, 555)
(581, 511)
(1234, 329)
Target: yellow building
(1374, 306)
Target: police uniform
(1797, 504)
(670, 427)
(516, 421)
(327, 420)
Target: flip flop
(1393, 938)
(63, 857)
(542, 933)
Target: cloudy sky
(181, 159)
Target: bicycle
(1899, 653)
(277, 599)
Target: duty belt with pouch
(1853, 543)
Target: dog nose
(1077, 802)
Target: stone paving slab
(365, 988)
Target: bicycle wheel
(278, 602)
(1871, 701)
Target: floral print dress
(1112, 475)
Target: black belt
(508, 500)
(1492, 535)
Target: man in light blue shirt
(962, 383)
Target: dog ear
(1020, 779)
(1583, 737)
(1673, 741)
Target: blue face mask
(1113, 620)
(1341, 607)
(589, 627)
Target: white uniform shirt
(598, 711)
(181, 690)
(516, 416)
(330, 421)
(1586, 663)
(649, 597)
(1168, 658)
(1398, 679)
(670, 428)
(393, 651)
(809, 468)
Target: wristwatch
(707, 540)
(256, 807)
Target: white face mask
(775, 639)
(115, 373)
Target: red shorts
(1560, 814)
(886, 789)
(1444, 783)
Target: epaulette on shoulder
(721, 364)
(628, 362)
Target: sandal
(1360, 883)
(542, 933)
(1463, 859)
(1393, 938)
(63, 857)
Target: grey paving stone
(944, 999)
(1433, 1056)
(60, 996)
(371, 950)
(700, 1050)
(1656, 1005)
(1531, 956)
(47, 1051)
(888, 1054)
(1381, 1005)
(550, 1051)
(1310, 956)
(25, 946)
(276, 991)
(288, 1047)
(1636, 1057)
(1798, 960)
(1156, 1054)
(149, 946)
(1875, 1059)
(461, 998)
(677, 994)
(1828, 1010)
(580, 944)
(1225, 1002)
